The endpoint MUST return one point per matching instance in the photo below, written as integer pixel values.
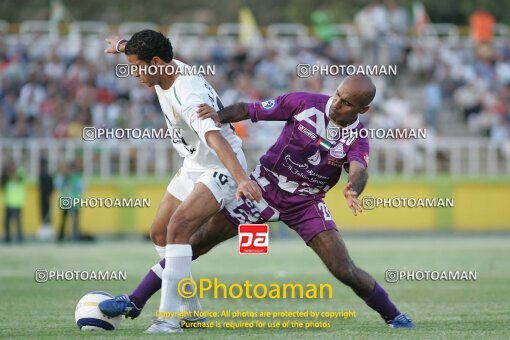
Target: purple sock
(379, 301)
(150, 284)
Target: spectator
(397, 18)
(468, 99)
(397, 31)
(31, 96)
(433, 102)
(322, 24)
(372, 25)
(45, 192)
(14, 187)
(71, 185)
(482, 26)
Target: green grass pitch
(441, 309)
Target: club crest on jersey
(315, 159)
(268, 104)
(337, 151)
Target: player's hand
(205, 111)
(249, 189)
(112, 42)
(352, 199)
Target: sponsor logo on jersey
(290, 162)
(307, 132)
(315, 159)
(334, 162)
(268, 104)
(302, 171)
(337, 151)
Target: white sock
(158, 270)
(161, 251)
(190, 305)
(187, 305)
(177, 267)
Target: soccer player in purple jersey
(295, 174)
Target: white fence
(429, 158)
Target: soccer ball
(88, 316)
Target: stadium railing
(476, 157)
(230, 34)
(129, 28)
(501, 34)
(437, 32)
(288, 34)
(347, 33)
(193, 30)
(279, 34)
(79, 28)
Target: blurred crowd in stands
(54, 88)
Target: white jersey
(180, 106)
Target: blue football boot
(401, 321)
(120, 305)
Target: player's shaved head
(362, 87)
(352, 97)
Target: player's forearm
(226, 155)
(358, 178)
(234, 113)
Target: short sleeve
(359, 151)
(282, 108)
(190, 99)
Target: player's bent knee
(181, 218)
(177, 232)
(178, 229)
(173, 235)
(158, 236)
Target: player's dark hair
(148, 44)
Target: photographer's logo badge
(253, 239)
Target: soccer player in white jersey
(213, 164)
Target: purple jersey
(303, 161)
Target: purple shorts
(308, 216)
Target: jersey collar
(328, 105)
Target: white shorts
(218, 181)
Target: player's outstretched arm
(245, 186)
(230, 114)
(358, 177)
